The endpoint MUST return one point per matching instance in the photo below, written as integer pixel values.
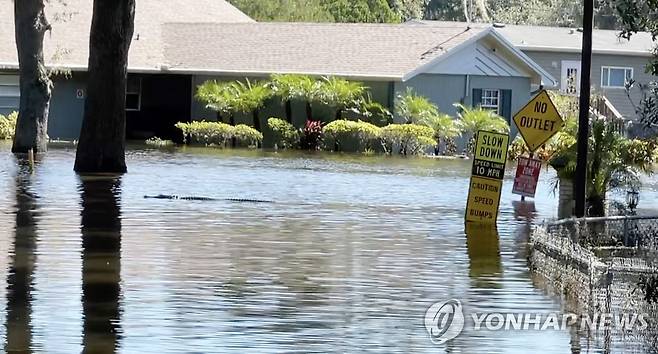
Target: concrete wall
(552, 62)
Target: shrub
(312, 135)
(367, 134)
(339, 131)
(286, 136)
(414, 108)
(156, 141)
(246, 135)
(206, 133)
(8, 125)
(411, 138)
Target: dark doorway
(154, 103)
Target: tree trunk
(231, 121)
(256, 119)
(219, 118)
(288, 106)
(35, 86)
(309, 111)
(339, 114)
(103, 135)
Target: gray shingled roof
(67, 45)
(357, 50)
(561, 39)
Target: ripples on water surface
(347, 258)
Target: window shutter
(506, 108)
(477, 97)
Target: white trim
(629, 52)
(565, 65)
(607, 86)
(498, 98)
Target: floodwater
(347, 257)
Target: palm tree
(340, 93)
(290, 87)
(614, 163)
(414, 108)
(250, 98)
(445, 128)
(475, 119)
(220, 97)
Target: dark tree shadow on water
(20, 277)
(101, 263)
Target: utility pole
(583, 117)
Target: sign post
(527, 176)
(538, 121)
(487, 177)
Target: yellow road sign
(483, 200)
(538, 121)
(487, 177)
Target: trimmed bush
(156, 141)
(412, 139)
(8, 125)
(338, 132)
(206, 133)
(286, 136)
(246, 135)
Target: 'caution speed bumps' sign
(487, 177)
(538, 121)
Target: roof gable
(487, 54)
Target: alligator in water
(206, 199)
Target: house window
(134, 94)
(10, 93)
(616, 77)
(491, 100)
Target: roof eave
(535, 48)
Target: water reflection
(23, 264)
(484, 255)
(101, 263)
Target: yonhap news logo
(445, 320)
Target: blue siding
(66, 109)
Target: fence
(597, 264)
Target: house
(614, 60)
(177, 46)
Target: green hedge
(219, 134)
(412, 139)
(339, 132)
(286, 136)
(8, 125)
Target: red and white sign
(527, 176)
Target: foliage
(340, 93)
(444, 126)
(561, 141)
(292, 86)
(614, 162)
(246, 135)
(211, 133)
(311, 135)
(318, 10)
(8, 125)
(249, 96)
(376, 11)
(156, 141)
(372, 112)
(368, 133)
(476, 119)
(286, 136)
(218, 96)
(338, 131)
(649, 286)
(284, 10)
(414, 108)
(412, 139)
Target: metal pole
(583, 117)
